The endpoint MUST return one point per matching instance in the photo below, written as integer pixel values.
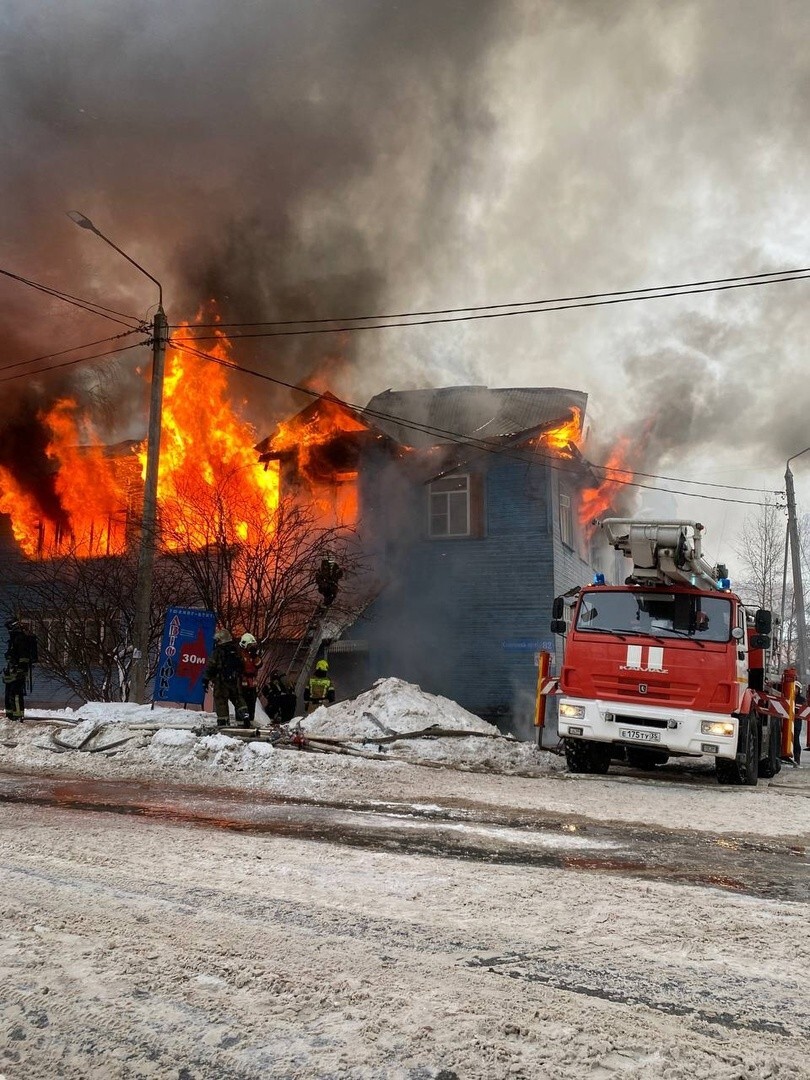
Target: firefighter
(326, 578)
(279, 699)
(320, 689)
(251, 659)
(223, 673)
(20, 655)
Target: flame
(211, 486)
(565, 436)
(92, 489)
(324, 458)
(594, 501)
(564, 440)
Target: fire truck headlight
(572, 712)
(716, 727)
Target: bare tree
(762, 552)
(82, 609)
(254, 567)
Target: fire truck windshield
(659, 614)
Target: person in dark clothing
(223, 673)
(800, 702)
(20, 655)
(279, 699)
(320, 690)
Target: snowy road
(767, 868)
(144, 947)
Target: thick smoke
(309, 158)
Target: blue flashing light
(599, 579)
(724, 583)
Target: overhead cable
(528, 457)
(86, 305)
(500, 311)
(70, 363)
(64, 352)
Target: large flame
(93, 488)
(211, 487)
(564, 440)
(324, 458)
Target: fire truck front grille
(641, 721)
(658, 690)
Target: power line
(70, 363)
(527, 457)
(86, 305)
(496, 311)
(64, 352)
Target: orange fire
(324, 458)
(94, 492)
(211, 487)
(564, 440)
(595, 501)
(561, 438)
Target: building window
(566, 521)
(450, 506)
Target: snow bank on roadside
(370, 723)
(185, 739)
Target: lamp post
(148, 532)
(796, 565)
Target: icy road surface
(142, 946)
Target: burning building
(471, 506)
(474, 507)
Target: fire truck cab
(669, 663)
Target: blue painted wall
(464, 617)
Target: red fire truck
(671, 663)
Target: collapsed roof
(425, 418)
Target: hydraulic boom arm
(663, 552)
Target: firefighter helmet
(222, 635)
(322, 666)
(247, 640)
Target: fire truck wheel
(645, 759)
(747, 772)
(772, 764)
(587, 757)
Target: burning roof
(475, 412)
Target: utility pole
(148, 534)
(148, 541)
(796, 565)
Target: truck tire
(637, 758)
(587, 757)
(746, 772)
(772, 764)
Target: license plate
(639, 736)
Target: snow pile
(435, 729)
(182, 748)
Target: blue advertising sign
(188, 641)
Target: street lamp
(796, 565)
(146, 552)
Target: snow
(187, 746)
(139, 947)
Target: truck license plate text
(639, 736)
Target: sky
(317, 158)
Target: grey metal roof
(473, 411)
